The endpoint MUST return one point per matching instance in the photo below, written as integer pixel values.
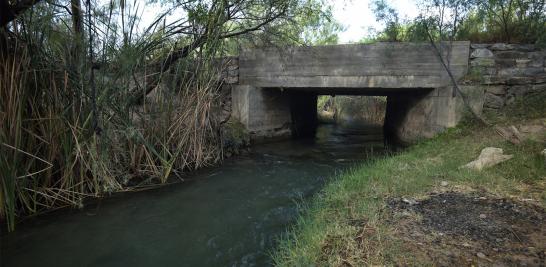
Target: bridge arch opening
(410, 113)
(402, 115)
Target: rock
(444, 183)
(531, 129)
(539, 87)
(537, 58)
(532, 71)
(231, 80)
(511, 55)
(527, 71)
(481, 70)
(536, 63)
(510, 72)
(511, 134)
(482, 62)
(493, 101)
(490, 80)
(481, 52)
(489, 156)
(496, 90)
(520, 80)
(524, 47)
(501, 47)
(510, 99)
(540, 79)
(481, 255)
(483, 216)
(410, 201)
(522, 63)
(519, 90)
(505, 63)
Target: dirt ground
(470, 229)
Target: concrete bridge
(276, 90)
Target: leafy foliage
(511, 21)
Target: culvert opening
(352, 110)
(398, 116)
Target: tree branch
(10, 12)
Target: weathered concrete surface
(421, 114)
(265, 113)
(381, 65)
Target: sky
(356, 16)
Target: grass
(331, 231)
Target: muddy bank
(462, 229)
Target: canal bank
(420, 207)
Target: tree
(389, 17)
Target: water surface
(231, 215)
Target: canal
(230, 215)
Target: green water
(231, 215)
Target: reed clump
(66, 134)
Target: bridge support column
(265, 112)
(418, 115)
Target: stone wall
(505, 72)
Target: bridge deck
(368, 67)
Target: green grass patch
(330, 232)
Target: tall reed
(51, 155)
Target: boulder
(493, 101)
(533, 130)
(511, 55)
(480, 71)
(501, 47)
(482, 53)
(522, 63)
(519, 90)
(537, 58)
(493, 79)
(532, 71)
(510, 72)
(496, 89)
(489, 156)
(524, 47)
(520, 80)
(540, 78)
(505, 62)
(528, 71)
(482, 62)
(539, 87)
(510, 133)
